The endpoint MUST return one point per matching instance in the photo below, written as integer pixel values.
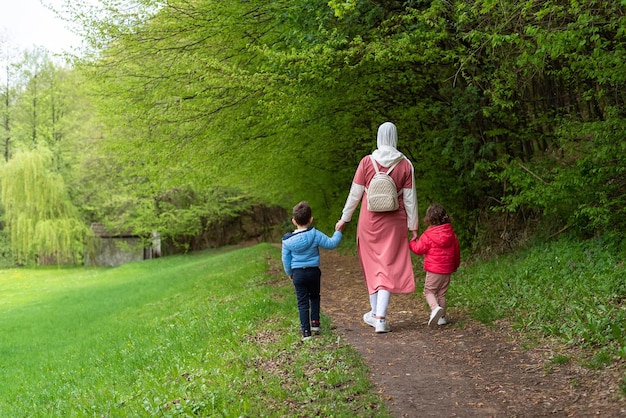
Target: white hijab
(387, 140)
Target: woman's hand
(340, 225)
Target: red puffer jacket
(440, 247)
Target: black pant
(307, 283)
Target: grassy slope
(570, 291)
(206, 334)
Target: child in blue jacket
(301, 261)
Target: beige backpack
(382, 194)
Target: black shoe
(315, 327)
(306, 334)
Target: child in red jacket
(442, 257)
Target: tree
(44, 224)
(280, 99)
(8, 94)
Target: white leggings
(379, 302)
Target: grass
(209, 334)
(572, 292)
(216, 333)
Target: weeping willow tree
(43, 223)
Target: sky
(28, 23)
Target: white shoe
(435, 315)
(369, 319)
(442, 321)
(382, 326)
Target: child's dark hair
(302, 213)
(436, 215)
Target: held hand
(413, 235)
(340, 225)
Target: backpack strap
(376, 165)
(393, 166)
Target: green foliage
(561, 124)
(215, 116)
(6, 258)
(508, 105)
(38, 103)
(201, 335)
(582, 186)
(43, 223)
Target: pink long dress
(382, 237)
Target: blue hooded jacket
(301, 248)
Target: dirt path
(463, 369)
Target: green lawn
(216, 334)
(208, 334)
(568, 291)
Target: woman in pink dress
(382, 243)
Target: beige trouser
(435, 289)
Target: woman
(382, 243)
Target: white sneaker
(435, 315)
(382, 326)
(369, 319)
(442, 321)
